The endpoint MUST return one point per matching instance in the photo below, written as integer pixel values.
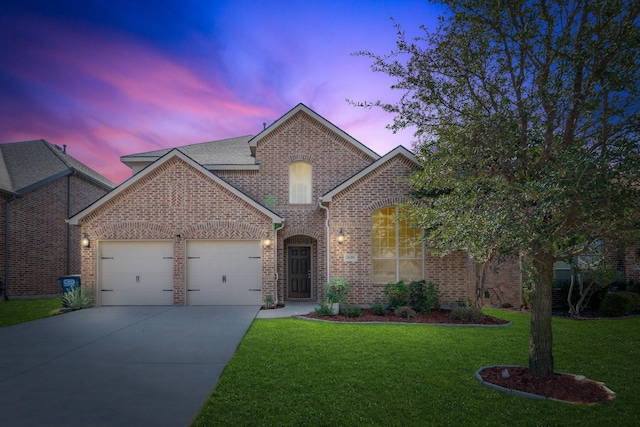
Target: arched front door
(299, 272)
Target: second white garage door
(224, 272)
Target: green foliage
(351, 375)
(333, 298)
(397, 294)
(17, 311)
(336, 290)
(76, 299)
(526, 296)
(268, 301)
(467, 314)
(378, 309)
(619, 303)
(324, 310)
(405, 312)
(352, 312)
(423, 297)
(525, 115)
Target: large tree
(526, 118)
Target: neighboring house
(40, 188)
(229, 222)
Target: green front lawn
(22, 310)
(295, 372)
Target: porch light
(340, 237)
(85, 241)
(267, 240)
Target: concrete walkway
(287, 311)
(117, 366)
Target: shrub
(76, 300)
(324, 310)
(337, 289)
(405, 312)
(467, 314)
(621, 303)
(423, 296)
(397, 294)
(378, 309)
(268, 302)
(352, 312)
(526, 296)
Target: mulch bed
(435, 316)
(564, 387)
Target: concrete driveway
(117, 366)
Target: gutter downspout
(68, 225)
(326, 232)
(6, 249)
(275, 261)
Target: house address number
(350, 257)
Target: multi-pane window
(300, 183)
(396, 248)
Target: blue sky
(110, 78)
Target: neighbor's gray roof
(29, 164)
(231, 151)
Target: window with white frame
(397, 253)
(300, 183)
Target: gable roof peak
(253, 143)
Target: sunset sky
(110, 78)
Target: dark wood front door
(299, 272)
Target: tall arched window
(300, 183)
(396, 251)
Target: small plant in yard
(268, 301)
(324, 309)
(337, 289)
(352, 312)
(423, 297)
(467, 314)
(76, 300)
(405, 312)
(378, 309)
(621, 303)
(397, 294)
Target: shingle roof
(231, 151)
(29, 164)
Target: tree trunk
(481, 271)
(540, 346)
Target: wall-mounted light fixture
(340, 236)
(267, 240)
(85, 241)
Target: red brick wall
(38, 235)
(503, 282)
(632, 263)
(175, 199)
(333, 161)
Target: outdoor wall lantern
(340, 236)
(267, 240)
(85, 241)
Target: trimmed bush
(467, 314)
(352, 312)
(378, 309)
(405, 312)
(397, 294)
(621, 303)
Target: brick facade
(176, 201)
(41, 246)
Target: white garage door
(136, 273)
(224, 272)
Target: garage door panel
(136, 273)
(224, 272)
